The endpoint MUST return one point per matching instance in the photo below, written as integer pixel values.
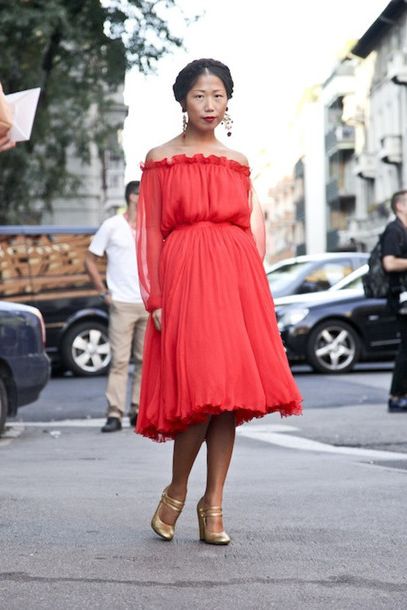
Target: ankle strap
(211, 511)
(176, 505)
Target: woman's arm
(257, 225)
(149, 238)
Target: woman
(213, 355)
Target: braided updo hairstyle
(192, 71)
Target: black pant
(399, 381)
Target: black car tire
(85, 349)
(3, 405)
(333, 347)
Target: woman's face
(206, 102)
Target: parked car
(44, 267)
(335, 333)
(24, 365)
(312, 273)
(349, 282)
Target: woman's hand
(5, 142)
(156, 315)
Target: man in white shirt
(116, 238)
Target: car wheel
(86, 349)
(333, 347)
(3, 405)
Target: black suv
(44, 266)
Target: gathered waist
(204, 223)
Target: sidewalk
(310, 530)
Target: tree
(78, 52)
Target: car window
(285, 274)
(354, 284)
(326, 275)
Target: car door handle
(373, 317)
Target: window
(325, 276)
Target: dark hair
(131, 187)
(396, 198)
(190, 74)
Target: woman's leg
(220, 439)
(186, 448)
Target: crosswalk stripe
(268, 435)
(273, 434)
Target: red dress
(219, 348)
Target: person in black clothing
(394, 252)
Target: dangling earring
(227, 122)
(184, 122)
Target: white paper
(23, 106)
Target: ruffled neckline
(183, 159)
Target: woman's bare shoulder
(168, 149)
(235, 155)
(155, 154)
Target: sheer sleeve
(149, 238)
(257, 225)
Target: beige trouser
(127, 326)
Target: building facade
(350, 143)
(379, 112)
(339, 147)
(101, 181)
(280, 221)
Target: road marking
(268, 434)
(10, 434)
(274, 434)
(66, 423)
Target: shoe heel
(201, 524)
(208, 536)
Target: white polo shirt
(116, 238)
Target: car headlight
(291, 317)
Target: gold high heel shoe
(165, 530)
(205, 534)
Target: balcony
(390, 150)
(332, 191)
(341, 137)
(338, 192)
(397, 68)
(365, 166)
(352, 113)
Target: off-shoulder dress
(200, 260)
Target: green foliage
(77, 51)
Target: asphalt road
(314, 505)
(70, 397)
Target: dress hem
(199, 414)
